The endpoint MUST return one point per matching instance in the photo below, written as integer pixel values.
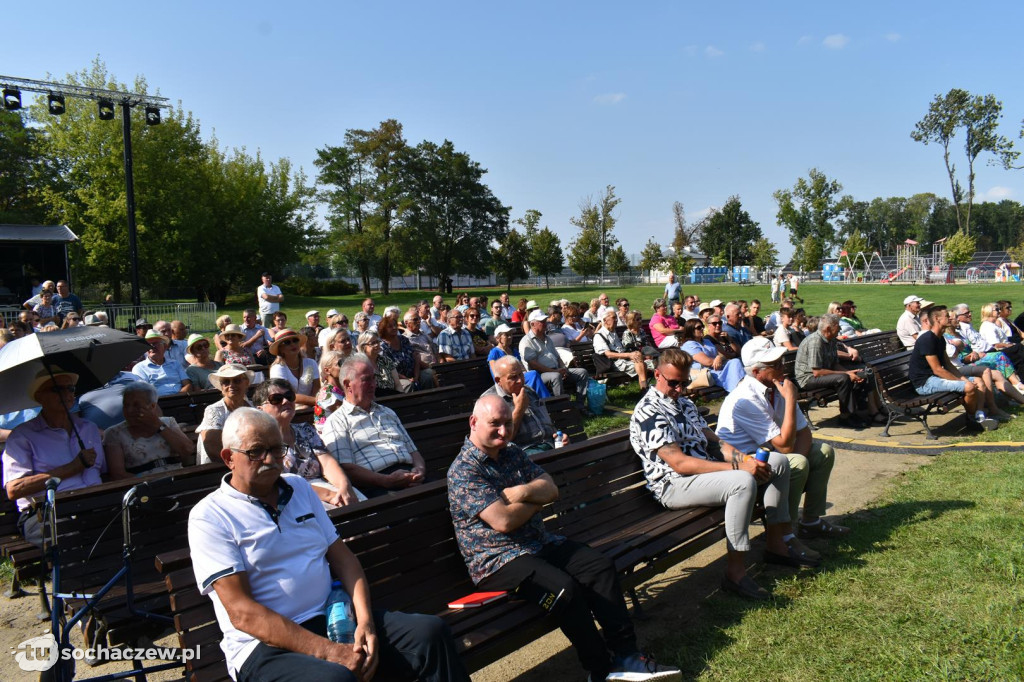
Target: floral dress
(301, 457)
(243, 357)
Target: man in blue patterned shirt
(496, 494)
(454, 342)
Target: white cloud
(836, 41)
(610, 98)
(805, 40)
(996, 193)
(893, 37)
(713, 51)
(757, 47)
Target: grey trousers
(577, 379)
(737, 490)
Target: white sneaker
(642, 667)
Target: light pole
(106, 99)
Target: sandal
(746, 588)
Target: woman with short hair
(232, 380)
(388, 382)
(663, 325)
(608, 343)
(145, 442)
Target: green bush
(305, 286)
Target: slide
(894, 275)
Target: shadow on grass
(686, 616)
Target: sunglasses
(715, 324)
(64, 389)
(259, 454)
(675, 383)
(290, 341)
(278, 398)
(202, 345)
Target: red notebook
(476, 600)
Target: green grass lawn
(879, 305)
(929, 586)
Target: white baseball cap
(912, 299)
(538, 316)
(760, 350)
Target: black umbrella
(95, 354)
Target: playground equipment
(1006, 272)
(911, 266)
(972, 275)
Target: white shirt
(992, 333)
(907, 328)
(284, 560)
(266, 307)
(302, 385)
(746, 419)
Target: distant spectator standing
(270, 297)
(673, 289)
(65, 301)
(794, 287)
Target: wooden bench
(874, 346)
(901, 399)
(429, 404)
(407, 548)
(474, 375)
(820, 396)
(187, 408)
(583, 352)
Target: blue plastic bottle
(341, 624)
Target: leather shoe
(794, 544)
(822, 529)
(746, 588)
(793, 558)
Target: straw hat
(283, 336)
(229, 371)
(232, 330)
(44, 375)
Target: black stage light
(56, 104)
(106, 108)
(152, 116)
(12, 99)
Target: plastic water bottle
(341, 624)
(558, 440)
(761, 455)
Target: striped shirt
(373, 439)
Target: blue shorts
(937, 385)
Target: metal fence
(198, 317)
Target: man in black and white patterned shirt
(686, 465)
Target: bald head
(490, 427)
(506, 364)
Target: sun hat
(192, 340)
(311, 313)
(232, 330)
(142, 322)
(153, 334)
(538, 316)
(283, 336)
(44, 375)
(502, 329)
(703, 307)
(760, 350)
(714, 304)
(530, 305)
(926, 304)
(393, 309)
(332, 312)
(96, 319)
(229, 371)
(912, 299)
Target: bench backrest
(874, 346)
(428, 404)
(474, 374)
(893, 375)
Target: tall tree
(766, 254)
(651, 258)
(960, 248)
(453, 217)
(364, 184)
(585, 252)
(600, 218)
(22, 171)
(855, 243)
(978, 117)
(808, 254)
(810, 208)
(618, 261)
(730, 234)
(530, 222)
(546, 256)
(684, 235)
(511, 258)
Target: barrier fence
(198, 317)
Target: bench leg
(924, 420)
(888, 422)
(44, 603)
(15, 590)
(638, 610)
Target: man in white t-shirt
(269, 296)
(263, 550)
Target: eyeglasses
(64, 389)
(698, 329)
(372, 343)
(278, 398)
(714, 324)
(675, 383)
(259, 454)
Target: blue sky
(667, 101)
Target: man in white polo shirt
(762, 411)
(264, 550)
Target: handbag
(602, 364)
(702, 379)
